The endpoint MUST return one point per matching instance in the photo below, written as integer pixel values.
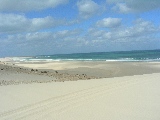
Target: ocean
(140, 55)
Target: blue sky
(36, 27)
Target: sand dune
(120, 98)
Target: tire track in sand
(60, 104)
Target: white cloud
(46, 22)
(109, 22)
(141, 30)
(28, 5)
(126, 6)
(42, 36)
(88, 8)
(39, 42)
(140, 34)
(66, 33)
(13, 23)
(122, 8)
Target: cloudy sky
(44, 27)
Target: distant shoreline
(122, 56)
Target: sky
(46, 27)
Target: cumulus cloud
(109, 22)
(122, 8)
(140, 28)
(66, 34)
(139, 31)
(38, 42)
(13, 23)
(28, 5)
(42, 36)
(88, 8)
(126, 6)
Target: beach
(81, 90)
(79, 59)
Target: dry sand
(134, 95)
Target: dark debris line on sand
(59, 77)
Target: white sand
(122, 98)
(60, 65)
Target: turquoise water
(143, 55)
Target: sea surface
(141, 55)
